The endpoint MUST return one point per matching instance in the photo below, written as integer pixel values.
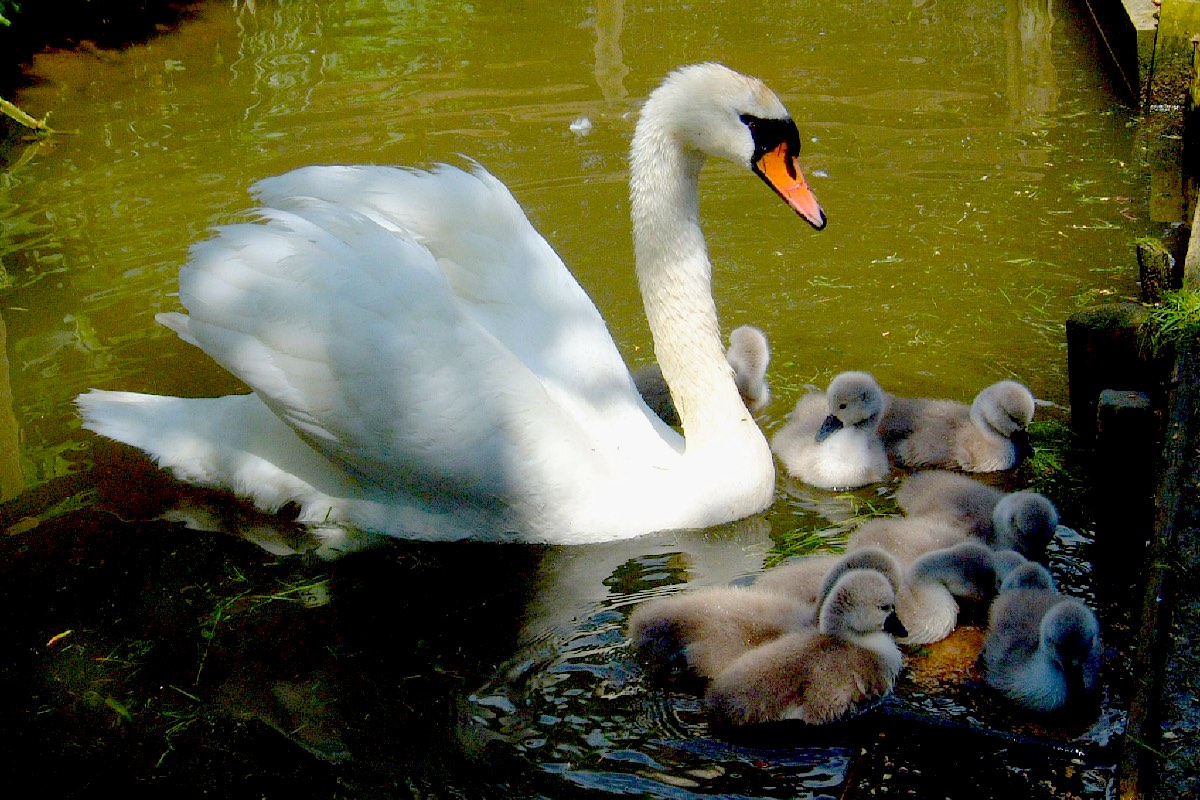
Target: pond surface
(981, 181)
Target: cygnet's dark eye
(843, 406)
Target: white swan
(424, 365)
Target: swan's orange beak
(780, 171)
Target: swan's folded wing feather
(506, 275)
(365, 342)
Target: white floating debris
(581, 126)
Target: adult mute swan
(424, 365)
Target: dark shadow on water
(147, 659)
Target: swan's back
(504, 275)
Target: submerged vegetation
(804, 540)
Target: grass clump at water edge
(1175, 320)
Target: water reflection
(1032, 80)
(11, 480)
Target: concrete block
(1127, 31)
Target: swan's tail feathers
(211, 441)
(233, 443)
(157, 424)
(177, 322)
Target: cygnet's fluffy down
(1042, 649)
(928, 591)
(696, 634)
(928, 601)
(952, 496)
(818, 676)
(906, 538)
(749, 354)
(808, 580)
(1027, 575)
(831, 440)
(1024, 521)
(986, 436)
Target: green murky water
(981, 181)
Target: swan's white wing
(502, 271)
(434, 343)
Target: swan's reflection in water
(491, 669)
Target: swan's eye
(842, 406)
(768, 134)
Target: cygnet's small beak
(781, 172)
(894, 626)
(1021, 443)
(830, 426)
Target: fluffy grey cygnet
(906, 538)
(1042, 649)
(987, 436)
(749, 354)
(1024, 521)
(697, 634)
(831, 439)
(818, 675)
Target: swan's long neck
(675, 277)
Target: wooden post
(1156, 270)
